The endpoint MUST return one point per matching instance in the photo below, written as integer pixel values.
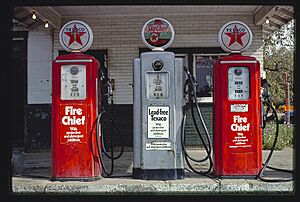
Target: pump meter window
(238, 83)
(73, 82)
(157, 85)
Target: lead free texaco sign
(76, 36)
(235, 36)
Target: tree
(278, 55)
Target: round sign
(158, 33)
(235, 36)
(76, 36)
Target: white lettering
(240, 124)
(240, 127)
(69, 110)
(238, 119)
(68, 120)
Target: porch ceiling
(278, 15)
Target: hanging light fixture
(46, 24)
(267, 20)
(33, 15)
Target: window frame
(204, 99)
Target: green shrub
(285, 136)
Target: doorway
(19, 91)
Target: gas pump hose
(265, 165)
(101, 141)
(101, 148)
(191, 82)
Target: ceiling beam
(286, 12)
(274, 24)
(27, 17)
(20, 23)
(46, 14)
(266, 29)
(36, 24)
(261, 14)
(281, 19)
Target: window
(203, 71)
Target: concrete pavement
(35, 179)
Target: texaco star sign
(235, 36)
(76, 36)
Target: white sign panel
(73, 82)
(158, 146)
(239, 108)
(158, 122)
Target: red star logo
(75, 35)
(153, 37)
(235, 36)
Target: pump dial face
(157, 65)
(238, 72)
(74, 70)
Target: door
(19, 88)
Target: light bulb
(46, 24)
(33, 16)
(267, 20)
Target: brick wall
(192, 138)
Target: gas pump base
(250, 177)
(85, 179)
(158, 174)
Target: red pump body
(237, 141)
(75, 105)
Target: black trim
(19, 85)
(157, 174)
(237, 176)
(37, 127)
(136, 173)
(82, 179)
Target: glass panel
(238, 83)
(73, 82)
(157, 85)
(204, 74)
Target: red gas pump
(75, 105)
(237, 141)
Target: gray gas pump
(158, 79)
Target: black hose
(100, 142)
(265, 165)
(111, 156)
(193, 103)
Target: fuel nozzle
(265, 89)
(111, 86)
